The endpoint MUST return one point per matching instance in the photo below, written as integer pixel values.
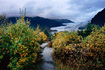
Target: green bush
(47, 32)
(87, 31)
(21, 43)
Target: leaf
(1, 56)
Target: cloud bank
(76, 10)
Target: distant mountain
(99, 18)
(43, 22)
(81, 28)
(63, 20)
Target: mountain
(99, 18)
(63, 20)
(42, 22)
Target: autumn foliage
(21, 43)
(79, 53)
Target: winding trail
(47, 63)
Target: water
(47, 59)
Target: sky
(75, 10)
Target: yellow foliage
(43, 36)
(80, 54)
(21, 43)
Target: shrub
(81, 54)
(49, 44)
(87, 31)
(47, 32)
(21, 43)
(95, 49)
(62, 41)
(3, 20)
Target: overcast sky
(76, 10)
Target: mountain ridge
(99, 18)
(43, 22)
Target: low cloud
(76, 10)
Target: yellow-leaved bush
(62, 40)
(94, 49)
(43, 36)
(81, 54)
(21, 43)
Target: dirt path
(47, 63)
